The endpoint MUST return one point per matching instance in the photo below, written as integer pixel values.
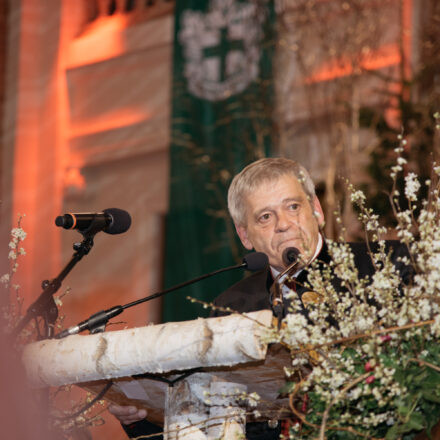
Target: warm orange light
(101, 42)
(407, 40)
(387, 55)
(110, 121)
(74, 179)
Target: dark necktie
(290, 283)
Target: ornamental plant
(366, 360)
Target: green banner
(221, 121)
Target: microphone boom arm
(97, 322)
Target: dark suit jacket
(252, 293)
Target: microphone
(111, 221)
(95, 324)
(253, 262)
(290, 259)
(290, 255)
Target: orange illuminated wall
(38, 143)
(43, 165)
(387, 55)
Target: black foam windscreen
(255, 261)
(290, 255)
(120, 221)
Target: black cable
(99, 396)
(171, 383)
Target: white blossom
(412, 186)
(435, 327)
(18, 233)
(357, 197)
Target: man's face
(278, 216)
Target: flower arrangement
(369, 365)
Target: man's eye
(294, 206)
(264, 217)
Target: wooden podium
(197, 378)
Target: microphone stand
(276, 296)
(294, 262)
(98, 321)
(45, 305)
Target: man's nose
(283, 222)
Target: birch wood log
(224, 341)
(204, 407)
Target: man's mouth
(289, 240)
(288, 243)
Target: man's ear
(242, 233)
(318, 212)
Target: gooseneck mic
(253, 262)
(290, 255)
(111, 221)
(291, 259)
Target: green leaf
(403, 409)
(432, 379)
(287, 388)
(431, 395)
(416, 422)
(393, 433)
(421, 377)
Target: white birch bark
(224, 341)
(204, 407)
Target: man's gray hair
(264, 170)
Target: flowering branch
(372, 351)
(13, 309)
(339, 396)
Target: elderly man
(274, 207)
